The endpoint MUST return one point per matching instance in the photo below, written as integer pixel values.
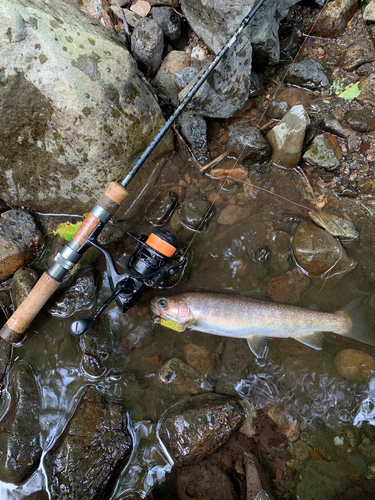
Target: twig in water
(213, 162)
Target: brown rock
(354, 365)
(288, 287)
(232, 214)
(238, 173)
(294, 96)
(334, 18)
(356, 55)
(367, 448)
(197, 357)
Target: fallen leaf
(141, 8)
(67, 230)
(335, 225)
(351, 92)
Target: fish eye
(163, 303)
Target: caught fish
(255, 320)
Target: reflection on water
(240, 258)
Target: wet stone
(333, 126)
(20, 448)
(95, 349)
(286, 138)
(198, 357)
(247, 145)
(256, 84)
(87, 458)
(205, 480)
(288, 287)
(361, 120)
(308, 74)
(226, 168)
(161, 208)
(24, 280)
(294, 96)
(164, 82)
(77, 297)
(357, 54)
(319, 253)
(169, 21)
(369, 12)
(355, 365)
(321, 153)
(277, 109)
(366, 185)
(232, 214)
(195, 428)
(194, 212)
(5, 348)
(147, 43)
(181, 378)
(334, 18)
(194, 130)
(20, 241)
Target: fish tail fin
(363, 328)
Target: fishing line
(251, 135)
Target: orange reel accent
(160, 245)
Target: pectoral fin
(314, 340)
(258, 345)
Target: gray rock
(58, 157)
(169, 21)
(87, 458)
(247, 145)
(256, 87)
(193, 212)
(185, 76)
(20, 448)
(355, 55)
(130, 17)
(199, 59)
(24, 280)
(308, 74)
(5, 348)
(195, 428)
(367, 87)
(277, 109)
(20, 241)
(333, 126)
(181, 378)
(369, 12)
(194, 130)
(286, 138)
(361, 120)
(77, 297)
(334, 18)
(321, 154)
(164, 82)
(147, 45)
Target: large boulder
(75, 114)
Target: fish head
(171, 309)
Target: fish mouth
(155, 308)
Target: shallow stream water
(221, 258)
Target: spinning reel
(154, 260)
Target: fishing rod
(149, 265)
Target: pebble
(147, 44)
(169, 21)
(194, 211)
(247, 145)
(164, 82)
(231, 170)
(321, 153)
(198, 357)
(24, 280)
(232, 214)
(194, 131)
(277, 109)
(195, 428)
(333, 126)
(355, 55)
(286, 138)
(361, 120)
(294, 96)
(288, 287)
(366, 185)
(334, 18)
(182, 378)
(354, 365)
(161, 208)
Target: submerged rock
(161, 208)
(232, 214)
(193, 429)
(24, 280)
(20, 448)
(286, 138)
(77, 297)
(288, 287)
(194, 130)
(87, 458)
(309, 74)
(181, 378)
(147, 45)
(247, 145)
(20, 241)
(321, 153)
(319, 253)
(355, 365)
(5, 348)
(72, 109)
(194, 211)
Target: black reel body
(154, 260)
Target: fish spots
(9, 34)
(43, 58)
(86, 111)
(91, 41)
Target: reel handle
(64, 261)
